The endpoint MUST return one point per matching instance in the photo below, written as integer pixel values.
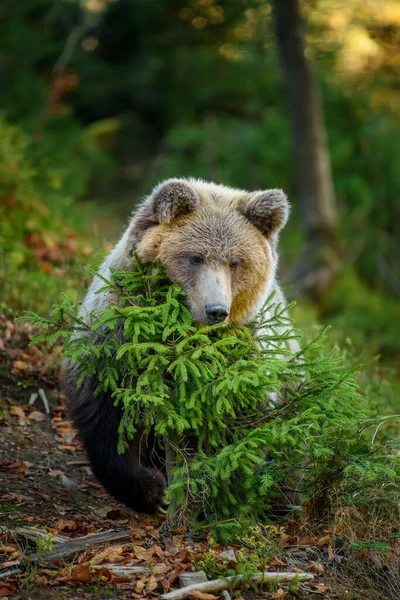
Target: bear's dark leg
(124, 476)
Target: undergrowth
(41, 253)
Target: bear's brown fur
(220, 245)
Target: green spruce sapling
(218, 385)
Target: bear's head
(217, 243)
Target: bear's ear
(173, 198)
(268, 210)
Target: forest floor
(49, 500)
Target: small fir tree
(218, 386)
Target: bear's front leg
(128, 477)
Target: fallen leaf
(330, 553)
(55, 473)
(279, 594)
(37, 416)
(44, 496)
(6, 589)
(103, 573)
(7, 549)
(316, 567)
(320, 588)
(17, 411)
(40, 580)
(14, 465)
(142, 553)
(107, 555)
(323, 540)
(179, 531)
(20, 365)
(64, 525)
(20, 499)
(275, 561)
(161, 568)
(202, 595)
(152, 584)
(80, 573)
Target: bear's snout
(216, 313)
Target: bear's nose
(216, 313)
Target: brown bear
(220, 245)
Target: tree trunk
(173, 520)
(317, 270)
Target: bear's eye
(235, 263)
(196, 259)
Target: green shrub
(217, 383)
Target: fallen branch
(9, 572)
(34, 535)
(78, 544)
(229, 583)
(126, 570)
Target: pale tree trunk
(317, 270)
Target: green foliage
(40, 255)
(218, 385)
(363, 324)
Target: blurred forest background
(101, 99)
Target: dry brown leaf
(64, 525)
(8, 549)
(202, 596)
(55, 473)
(107, 555)
(320, 588)
(316, 567)
(38, 416)
(80, 573)
(17, 411)
(151, 584)
(161, 568)
(142, 553)
(20, 365)
(103, 573)
(323, 540)
(6, 589)
(275, 561)
(14, 465)
(177, 541)
(140, 586)
(179, 531)
(330, 553)
(22, 499)
(279, 594)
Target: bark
(312, 162)
(170, 461)
(68, 547)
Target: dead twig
(126, 570)
(229, 583)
